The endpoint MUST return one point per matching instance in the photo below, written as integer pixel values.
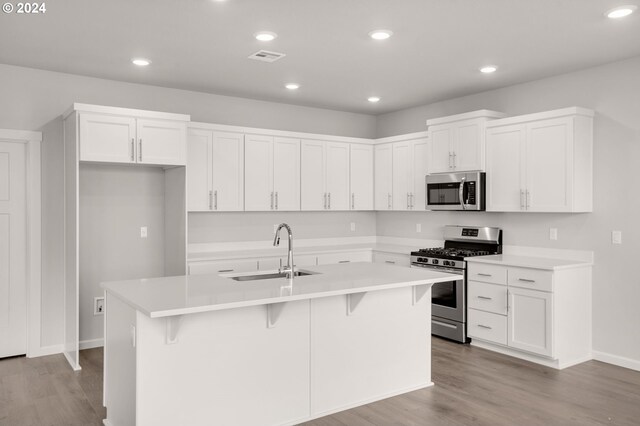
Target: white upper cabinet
(400, 170)
(383, 172)
(215, 170)
(107, 138)
(120, 135)
(361, 177)
(161, 142)
(541, 162)
(457, 142)
(272, 173)
(325, 175)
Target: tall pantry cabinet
(125, 207)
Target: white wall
(613, 91)
(33, 99)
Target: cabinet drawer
(487, 326)
(225, 266)
(391, 258)
(332, 258)
(487, 297)
(487, 273)
(534, 279)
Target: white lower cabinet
(223, 266)
(540, 315)
(346, 257)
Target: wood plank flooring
(473, 387)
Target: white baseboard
(74, 365)
(620, 361)
(45, 351)
(90, 344)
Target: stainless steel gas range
(449, 299)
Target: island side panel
(383, 348)
(227, 368)
(119, 363)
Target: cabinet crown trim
(556, 113)
(481, 113)
(135, 113)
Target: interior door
(258, 178)
(286, 173)
(13, 250)
(337, 176)
(227, 171)
(199, 170)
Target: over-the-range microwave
(456, 191)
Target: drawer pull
(484, 275)
(526, 280)
(225, 270)
(344, 261)
(393, 262)
(485, 326)
(485, 298)
(443, 324)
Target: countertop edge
(571, 264)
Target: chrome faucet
(276, 242)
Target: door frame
(32, 142)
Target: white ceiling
(434, 54)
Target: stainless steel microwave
(456, 191)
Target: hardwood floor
(473, 387)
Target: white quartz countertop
(551, 264)
(169, 296)
(282, 251)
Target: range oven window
(444, 294)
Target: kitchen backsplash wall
(612, 92)
(258, 226)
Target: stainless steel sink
(270, 275)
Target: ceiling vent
(266, 56)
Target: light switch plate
(553, 233)
(616, 237)
(418, 227)
(143, 232)
(353, 226)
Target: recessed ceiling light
(141, 62)
(265, 36)
(488, 69)
(373, 99)
(380, 34)
(292, 86)
(621, 11)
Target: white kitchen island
(209, 350)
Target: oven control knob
(445, 262)
(434, 261)
(452, 263)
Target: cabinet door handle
(484, 275)
(133, 150)
(344, 261)
(353, 201)
(225, 270)
(210, 200)
(140, 150)
(393, 262)
(276, 200)
(485, 326)
(325, 200)
(329, 197)
(215, 200)
(526, 280)
(389, 201)
(528, 200)
(521, 199)
(407, 201)
(412, 199)
(485, 298)
(271, 200)
(454, 159)
(450, 156)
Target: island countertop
(170, 296)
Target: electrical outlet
(616, 237)
(418, 227)
(143, 232)
(98, 306)
(353, 226)
(553, 233)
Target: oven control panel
(438, 262)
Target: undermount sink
(270, 275)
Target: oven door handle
(443, 324)
(439, 268)
(461, 193)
